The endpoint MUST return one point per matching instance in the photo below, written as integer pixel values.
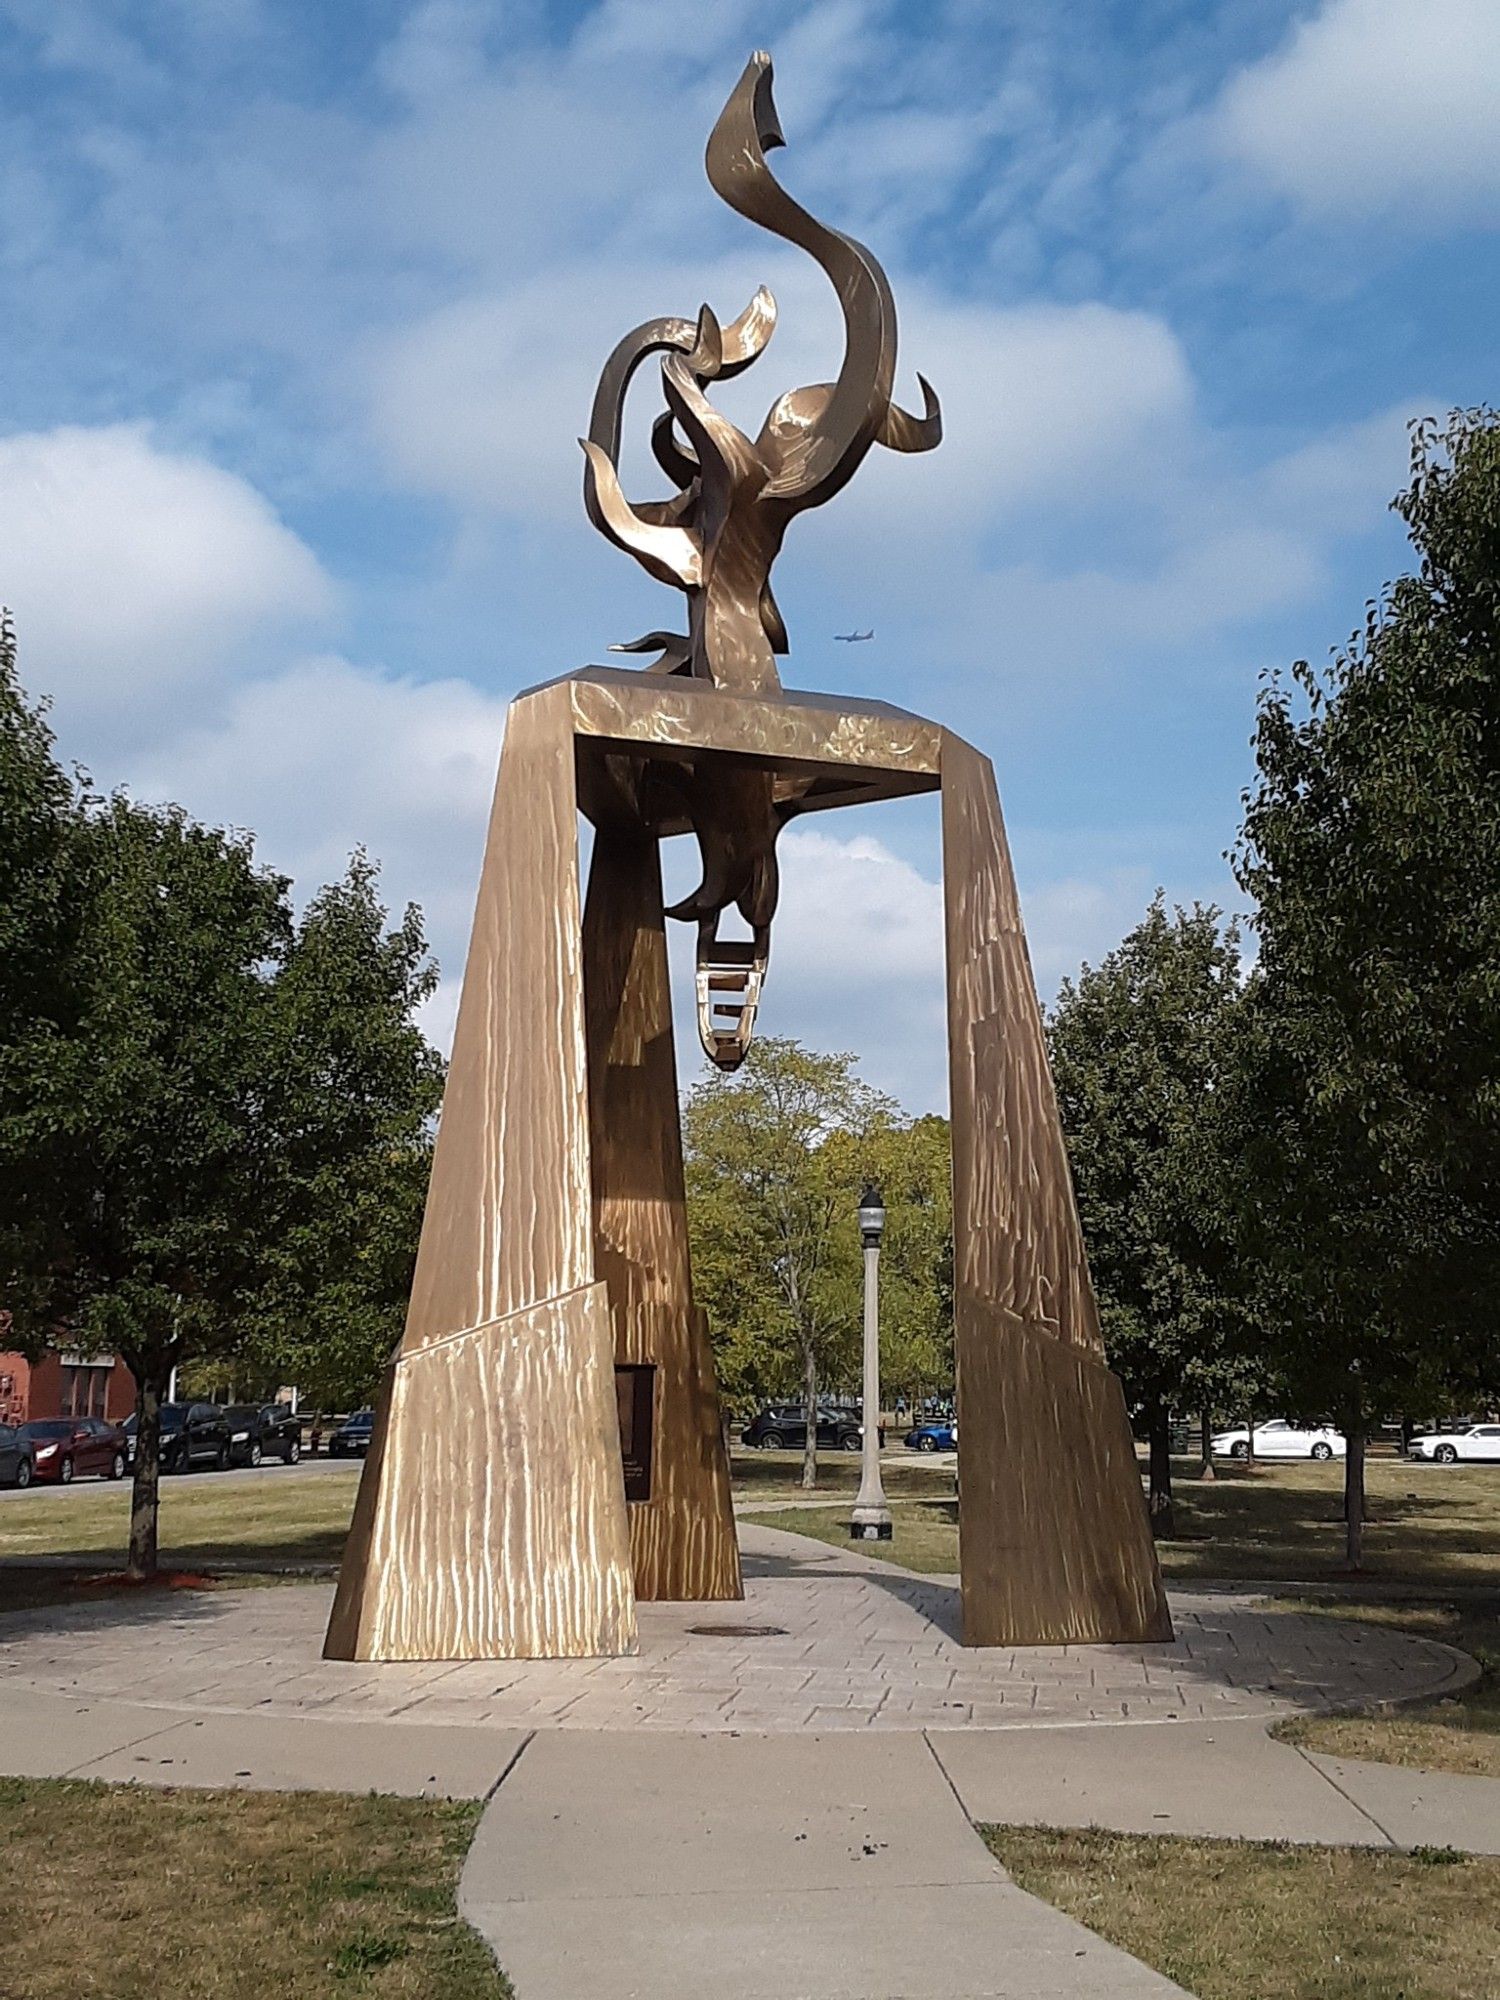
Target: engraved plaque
(635, 1392)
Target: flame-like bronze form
(718, 535)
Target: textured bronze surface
(719, 534)
(1054, 1541)
(555, 1243)
(496, 1511)
(682, 1538)
(491, 1516)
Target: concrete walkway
(773, 1798)
(766, 1868)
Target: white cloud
(327, 756)
(481, 401)
(133, 570)
(1378, 106)
(857, 955)
(856, 960)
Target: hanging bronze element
(719, 533)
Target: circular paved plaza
(825, 1639)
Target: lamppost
(871, 1520)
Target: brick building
(64, 1382)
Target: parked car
(1479, 1441)
(783, 1426)
(63, 1448)
(1281, 1438)
(352, 1438)
(16, 1467)
(940, 1435)
(261, 1431)
(191, 1434)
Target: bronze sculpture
(719, 534)
(552, 1342)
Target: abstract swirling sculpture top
(719, 534)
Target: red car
(64, 1448)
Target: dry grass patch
(1242, 1920)
(123, 1893)
(1462, 1734)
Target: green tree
(912, 1165)
(1371, 1109)
(214, 1120)
(352, 1092)
(168, 1198)
(1142, 1047)
(767, 1207)
(41, 911)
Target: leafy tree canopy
(214, 1117)
(1142, 1047)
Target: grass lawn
(1238, 1920)
(1461, 1735)
(1430, 1526)
(125, 1893)
(924, 1533)
(304, 1517)
(301, 1518)
(777, 1475)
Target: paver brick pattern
(859, 1646)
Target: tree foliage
(1142, 1047)
(775, 1156)
(213, 1117)
(1372, 1098)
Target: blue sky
(305, 306)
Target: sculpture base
(490, 1523)
(554, 1361)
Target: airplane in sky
(853, 638)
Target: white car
(1446, 1447)
(1281, 1439)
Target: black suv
(191, 1434)
(352, 1438)
(783, 1426)
(261, 1431)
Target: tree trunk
(1250, 1438)
(1159, 1433)
(1206, 1445)
(143, 1492)
(1354, 1494)
(810, 1417)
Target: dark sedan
(16, 1467)
(352, 1438)
(261, 1431)
(65, 1448)
(191, 1434)
(782, 1426)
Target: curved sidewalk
(779, 1804)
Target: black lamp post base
(869, 1531)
